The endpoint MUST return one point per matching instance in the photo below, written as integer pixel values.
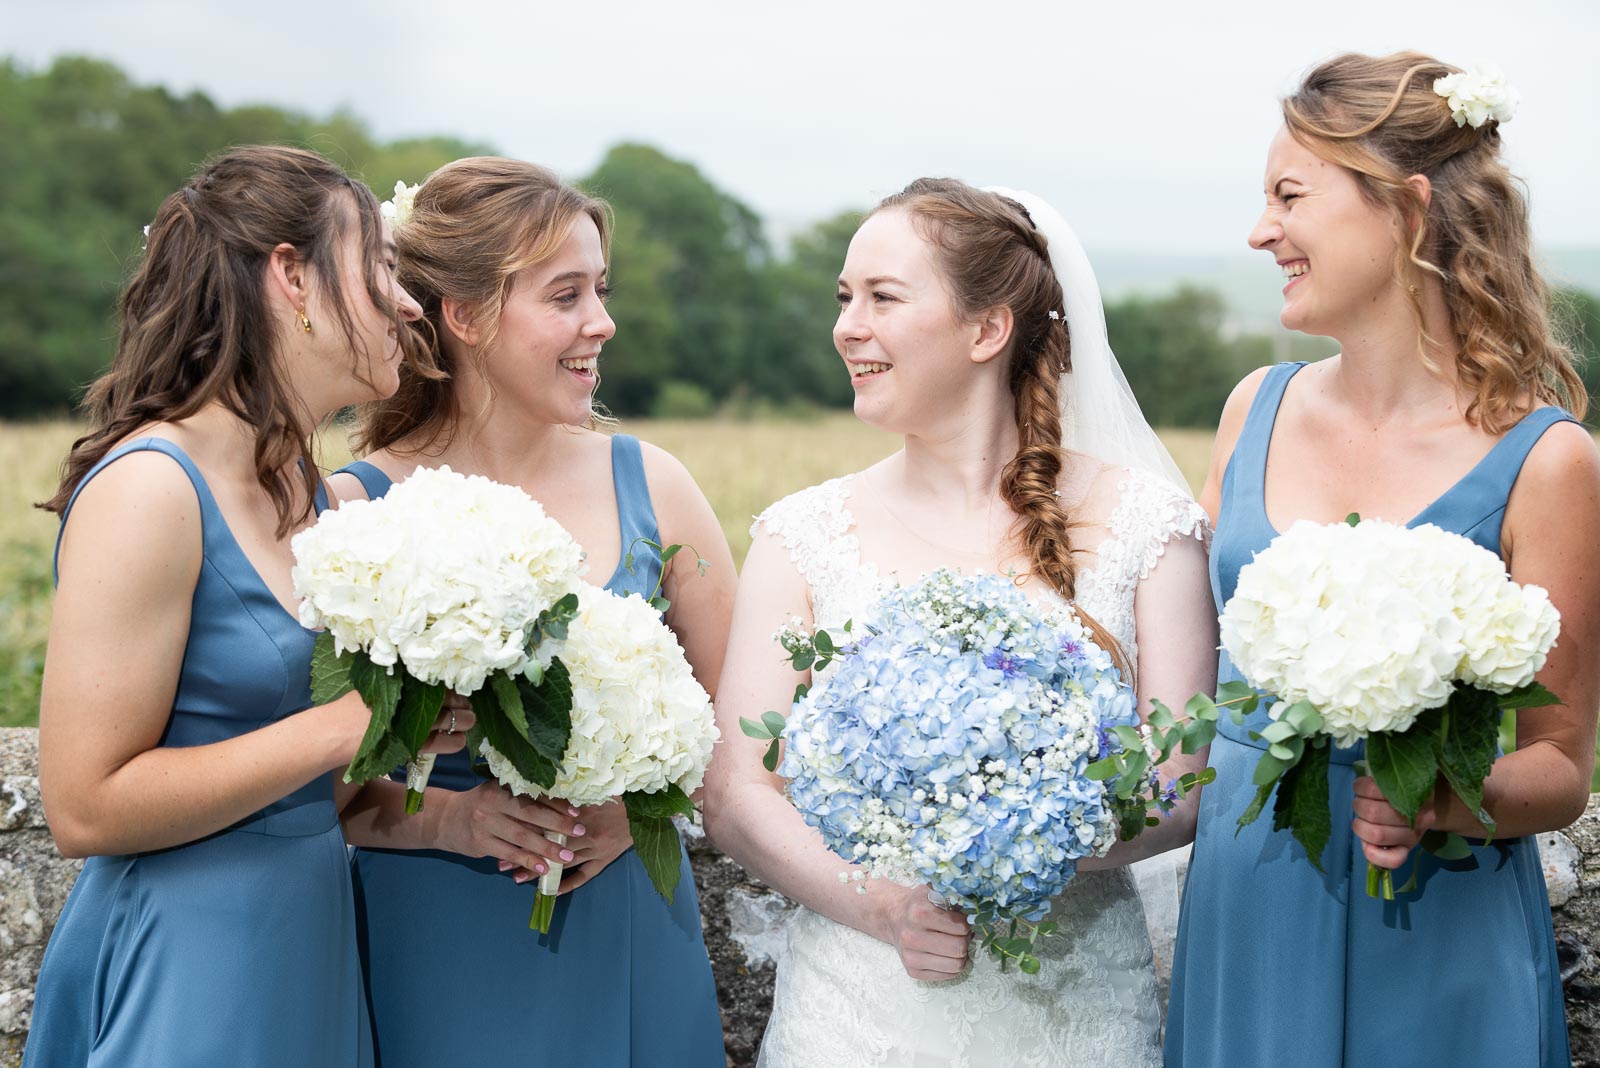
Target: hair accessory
(397, 209)
(1478, 95)
(304, 322)
(1054, 314)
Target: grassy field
(741, 466)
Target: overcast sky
(1144, 121)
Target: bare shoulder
(1237, 406)
(1563, 465)
(138, 511)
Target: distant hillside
(1251, 284)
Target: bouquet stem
(544, 898)
(417, 772)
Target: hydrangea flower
(950, 745)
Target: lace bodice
(842, 996)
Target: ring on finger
(452, 728)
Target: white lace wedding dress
(843, 997)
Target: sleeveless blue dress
(1277, 963)
(240, 948)
(453, 972)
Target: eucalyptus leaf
(754, 728)
(775, 723)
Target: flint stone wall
(743, 918)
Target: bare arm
(750, 818)
(129, 562)
(1176, 627)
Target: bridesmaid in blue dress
(510, 267)
(213, 922)
(1443, 407)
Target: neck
(1380, 371)
(959, 467)
(503, 448)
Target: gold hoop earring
(305, 323)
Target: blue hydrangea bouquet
(971, 740)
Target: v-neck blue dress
(240, 948)
(1277, 963)
(454, 975)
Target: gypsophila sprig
(1475, 96)
(446, 583)
(642, 730)
(952, 746)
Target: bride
(1023, 455)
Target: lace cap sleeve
(1151, 512)
(814, 526)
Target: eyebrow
(878, 280)
(1277, 188)
(391, 248)
(570, 276)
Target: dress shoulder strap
(208, 503)
(373, 480)
(635, 512)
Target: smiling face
(544, 356)
(1335, 246)
(906, 351)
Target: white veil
(1099, 415)
(1101, 418)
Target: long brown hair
(1379, 118)
(991, 256)
(474, 224)
(196, 327)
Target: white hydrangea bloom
(440, 576)
(1478, 95)
(1375, 623)
(639, 719)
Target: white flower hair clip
(1478, 95)
(1054, 314)
(397, 209)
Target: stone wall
(743, 919)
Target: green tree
(1176, 356)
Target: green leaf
(1465, 746)
(1233, 692)
(1354, 518)
(414, 718)
(670, 551)
(330, 671)
(509, 695)
(754, 728)
(822, 641)
(660, 604)
(1102, 769)
(1029, 964)
(1446, 845)
(548, 711)
(775, 723)
(1129, 737)
(1268, 770)
(655, 840)
(379, 689)
(663, 804)
(1198, 734)
(769, 759)
(1160, 715)
(512, 744)
(1302, 803)
(1404, 766)
(1257, 803)
(1532, 695)
(1303, 717)
(799, 692)
(379, 754)
(1279, 731)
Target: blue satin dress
(455, 975)
(240, 948)
(1277, 963)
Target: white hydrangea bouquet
(446, 583)
(964, 741)
(1411, 640)
(642, 731)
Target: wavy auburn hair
(991, 255)
(196, 325)
(474, 224)
(1379, 118)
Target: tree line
(710, 316)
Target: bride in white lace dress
(951, 326)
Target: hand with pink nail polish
(605, 838)
(487, 821)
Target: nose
(851, 326)
(410, 310)
(600, 325)
(1267, 231)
